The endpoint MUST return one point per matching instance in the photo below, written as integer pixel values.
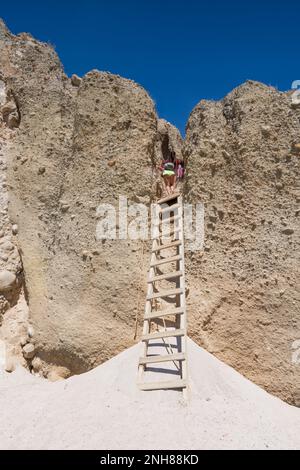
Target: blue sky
(181, 51)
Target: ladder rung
(177, 229)
(174, 274)
(169, 234)
(165, 293)
(162, 385)
(165, 313)
(166, 260)
(164, 334)
(168, 245)
(166, 358)
(170, 219)
(168, 198)
(169, 209)
(164, 235)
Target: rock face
(245, 293)
(76, 147)
(10, 263)
(69, 145)
(168, 140)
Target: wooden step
(165, 313)
(169, 219)
(158, 359)
(174, 235)
(165, 293)
(161, 277)
(162, 385)
(166, 260)
(169, 209)
(172, 232)
(168, 245)
(163, 334)
(168, 198)
(176, 230)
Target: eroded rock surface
(80, 143)
(244, 296)
(69, 145)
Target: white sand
(104, 410)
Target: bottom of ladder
(165, 385)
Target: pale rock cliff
(68, 145)
(244, 165)
(78, 144)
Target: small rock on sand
(28, 351)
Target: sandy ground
(103, 409)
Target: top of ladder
(169, 198)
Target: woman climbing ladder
(168, 173)
(169, 177)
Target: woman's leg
(167, 184)
(172, 183)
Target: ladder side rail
(183, 318)
(148, 308)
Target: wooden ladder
(163, 362)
